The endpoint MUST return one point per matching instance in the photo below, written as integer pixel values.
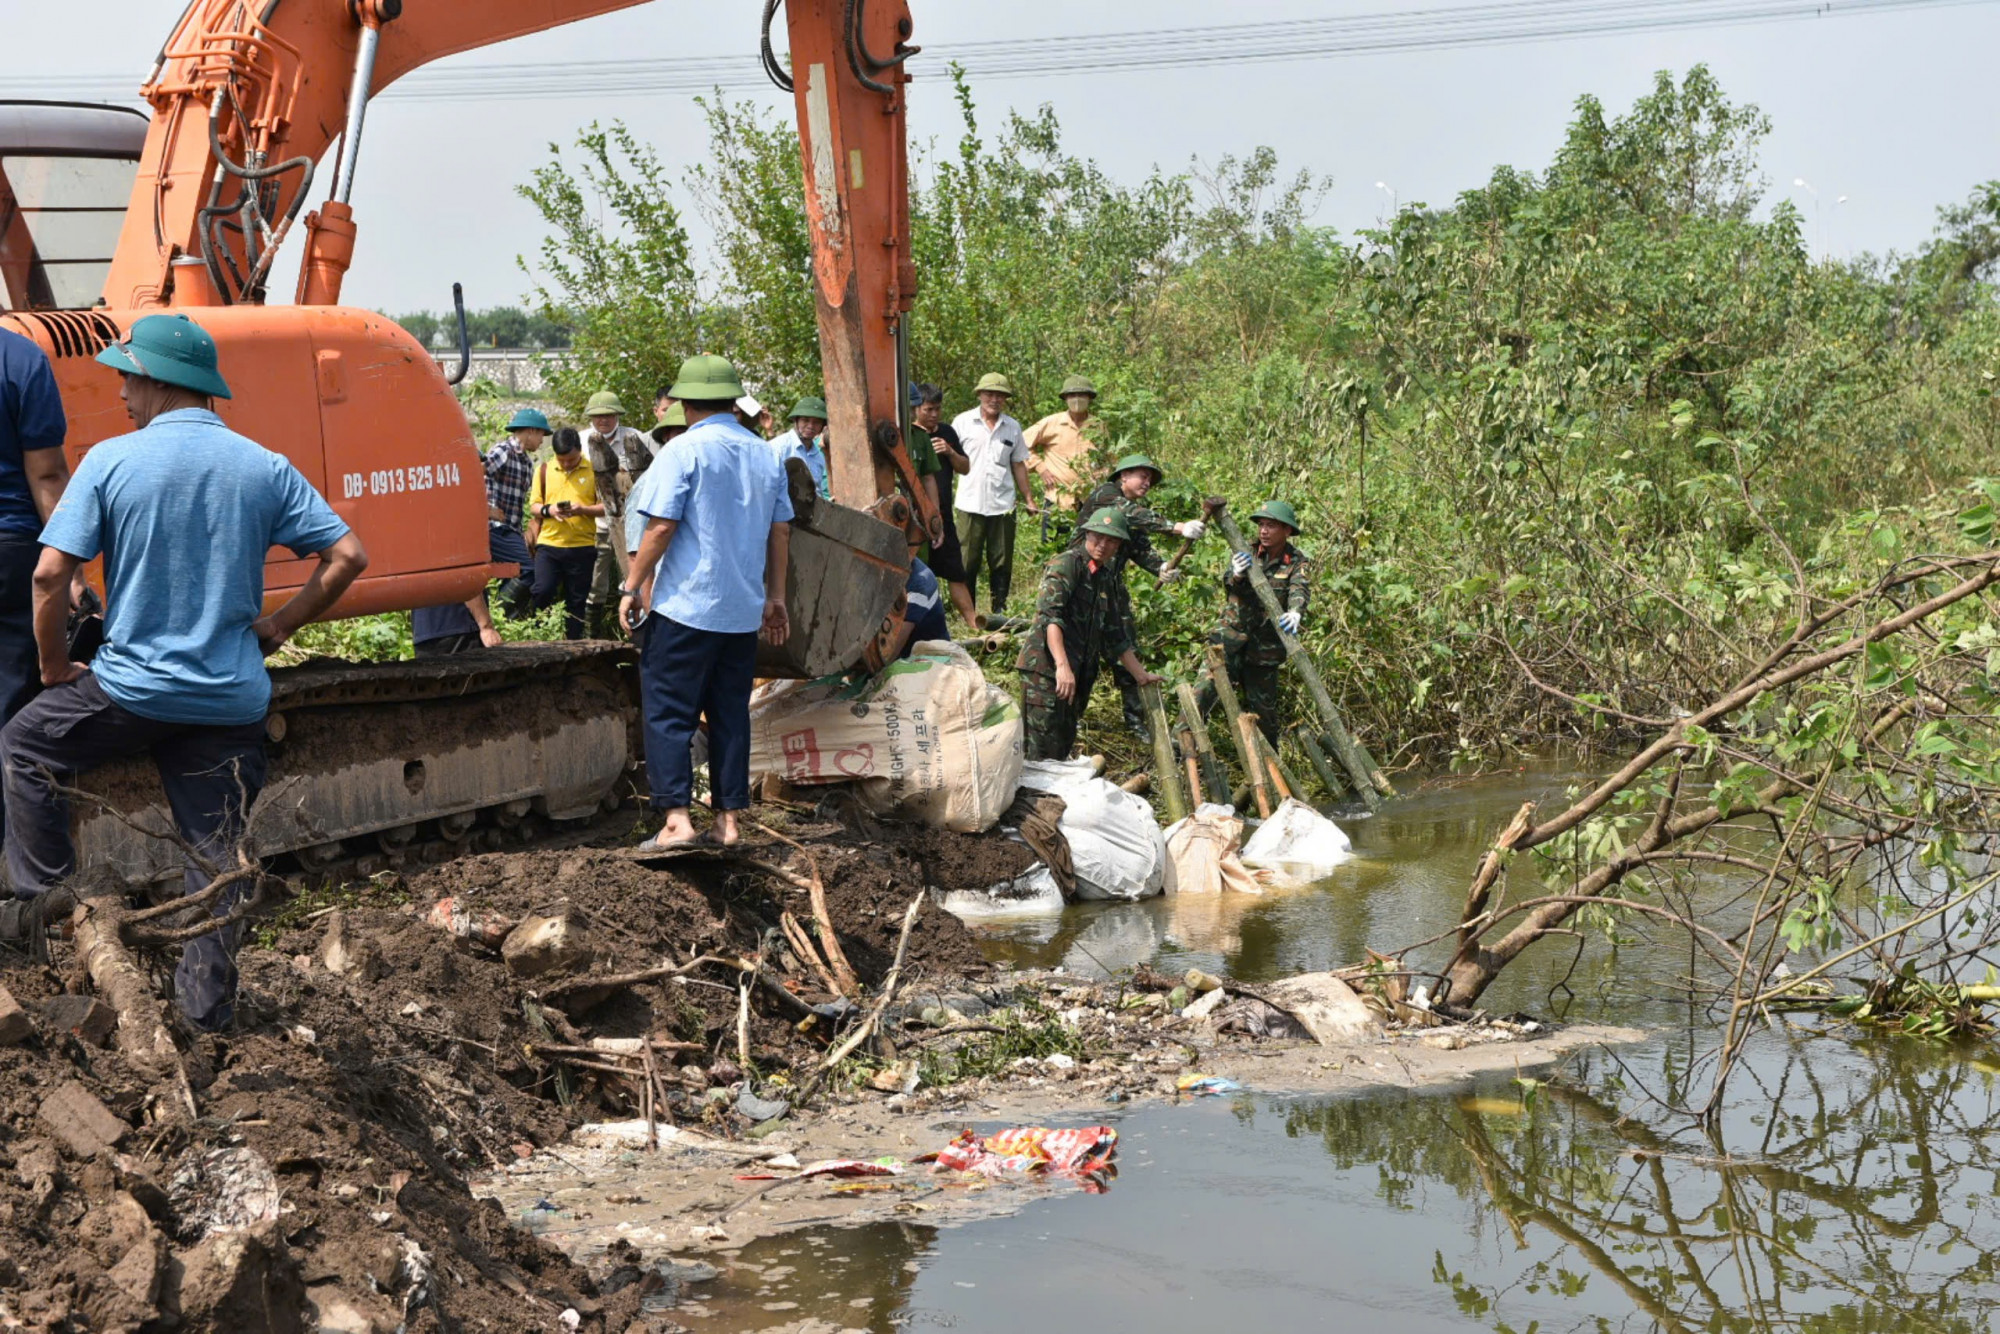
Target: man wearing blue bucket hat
(183, 511)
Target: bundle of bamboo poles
(1339, 760)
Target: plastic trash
(452, 915)
(1297, 845)
(1206, 1086)
(1035, 894)
(761, 1109)
(1114, 840)
(1083, 1154)
(834, 1167)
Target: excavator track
(372, 763)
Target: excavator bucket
(846, 582)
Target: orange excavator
(375, 763)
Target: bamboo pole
(1253, 728)
(1246, 731)
(1369, 780)
(1214, 777)
(1329, 777)
(1185, 739)
(1166, 774)
(1225, 694)
(1285, 780)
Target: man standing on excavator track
(183, 511)
(718, 528)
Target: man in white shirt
(987, 494)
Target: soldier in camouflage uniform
(1250, 645)
(1082, 619)
(1125, 491)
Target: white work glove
(1289, 623)
(1170, 576)
(1192, 530)
(1239, 564)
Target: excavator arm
(248, 95)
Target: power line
(1507, 22)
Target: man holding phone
(563, 510)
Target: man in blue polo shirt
(183, 511)
(32, 475)
(718, 526)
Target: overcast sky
(1899, 112)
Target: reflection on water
(1848, 1188)
(1868, 1204)
(1407, 881)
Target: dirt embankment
(319, 1180)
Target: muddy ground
(397, 1053)
(338, 1123)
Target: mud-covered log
(116, 976)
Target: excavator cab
(66, 173)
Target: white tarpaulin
(1114, 841)
(926, 739)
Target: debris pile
(312, 1170)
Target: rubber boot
(1136, 721)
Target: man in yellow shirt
(1058, 450)
(562, 529)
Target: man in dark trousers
(183, 511)
(1125, 490)
(719, 530)
(1082, 620)
(32, 475)
(1251, 649)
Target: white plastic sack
(1114, 843)
(1032, 894)
(926, 739)
(1297, 845)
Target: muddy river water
(1851, 1186)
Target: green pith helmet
(996, 382)
(172, 349)
(1109, 522)
(1278, 511)
(604, 403)
(528, 419)
(1076, 384)
(676, 419)
(707, 379)
(1140, 461)
(810, 407)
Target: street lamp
(1383, 186)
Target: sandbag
(1297, 845)
(1203, 851)
(925, 739)
(1114, 844)
(1034, 893)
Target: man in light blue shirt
(718, 534)
(806, 441)
(183, 511)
